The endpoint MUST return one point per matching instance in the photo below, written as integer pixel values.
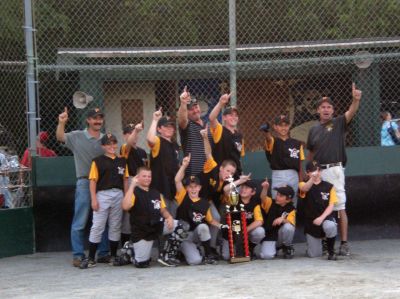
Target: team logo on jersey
(329, 127)
(156, 204)
(238, 146)
(294, 153)
(325, 195)
(213, 182)
(121, 170)
(197, 217)
(249, 215)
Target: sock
(343, 242)
(125, 238)
(113, 248)
(92, 250)
(331, 245)
(207, 247)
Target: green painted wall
(374, 160)
(17, 232)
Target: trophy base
(234, 260)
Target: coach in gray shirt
(85, 145)
(326, 143)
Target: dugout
(278, 72)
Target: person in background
(41, 149)
(390, 134)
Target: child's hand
(318, 221)
(186, 161)
(204, 132)
(95, 205)
(265, 184)
(157, 115)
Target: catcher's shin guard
(127, 255)
(171, 247)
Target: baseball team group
(177, 202)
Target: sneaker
(166, 263)
(122, 260)
(87, 263)
(324, 247)
(104, 259)
(210, 260)
(344, 249)
(332, 257)
(76, 262)
(288, 252)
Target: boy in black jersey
(214, 180)
(254, 218)
(135, 157)
(196, 211)
(149, 216)
(279, 222)
(319, 198)
(284, 155)
(228, 141)
(164, 162)
(108, 179)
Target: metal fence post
(232, 50)
(30, 75)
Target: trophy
(237, 227)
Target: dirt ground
(372, 271)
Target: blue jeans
(81, 215)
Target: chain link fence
(134, 56)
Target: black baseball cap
(128, 129)
(324, 100)
(312, 166)
(193, 102)
(191, 179)
(251, 184)
(281, 119)
(94, 112)
(165, 122)
(108, 139)
(285, 190)
(230, 110)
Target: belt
(82, 177)
(326, 166)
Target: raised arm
(152, 133)
(134, 136)
(264, 190)
(62, 120)
(127, 201)
(182, 111)
(181, 173)
(242, 179)
(207, 146)
(356, 94)
(223, 100)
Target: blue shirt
(386, 139)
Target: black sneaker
(104, 259)
(165, 262)
(210, 260)
(122, 260)
(87, 263)
(288, 252)
(332, 257)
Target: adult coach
(326, 143)
(85, 145)
(190, 124)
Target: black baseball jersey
(164, 165)
(228, 145)
(271, 211)
(284, 154)
(327, 141)
(108, 172)
(212, 186)
(316, 200)
(135, 158)
(192, 211)
(252, 210)
(145, 215)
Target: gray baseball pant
(109, 210)
(189, 246)
(214, 230)
(143, 248)
(285, 237)
(255, 236)
(314, 245)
